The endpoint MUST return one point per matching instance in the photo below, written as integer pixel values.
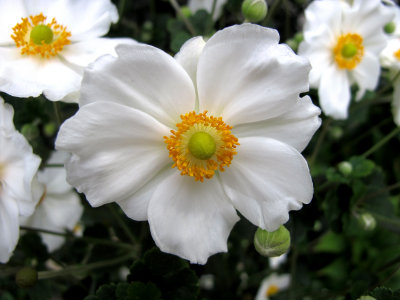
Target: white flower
(272, 285)
(18, 166)
(195, 5)
(59, 208)
(123, 147)
(343, 43)
(45, 45)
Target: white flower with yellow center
(343, 42)
(45, 45)
(59, 208)
(272, 285)
(226, 115)
(18, 166)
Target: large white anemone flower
(343, 42)
(18, 165)
(272, 285)
(226, 115)
(45, 45)
(59, 208)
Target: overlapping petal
(9, 226)
(240, 75)
(267, 179)
(12, 13)
(144, 78)
(189, 219)
(116, 160)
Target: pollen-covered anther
(348, 51)
(36, 37)
(397, 54)
(201, 145)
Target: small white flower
(45, 45)
(195, 5)
(144, 111)
(343, 43)
(18, 166)
(59, 208)
(272, 285)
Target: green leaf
(331, 242)
(137, 291)
(383, 293)
(362, 167)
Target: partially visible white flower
(45, 45)
(59, 208)
(143, 112)
(272, 285)
(275, 262)
(18, 165)
(390, 58)
(343, 42)
(195, 5)
(207, 281)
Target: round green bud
(367, 221)
(202, 145)
(349, 50)
(273, 243)
(336, 132)
(49, 129)
(254, 10)
(345, 168)
(389, 27)
(41, 33)
(30, 131)
(26, 277)
(366, 298)
(185, 10)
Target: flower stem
(123, 225)
(188, 25)
(57, 113)
(381, 142)
(78, 269)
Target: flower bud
(389, 27)
(366, 298)
(367, 221)
(30, 131)
(336, 132)
(345, 168)
(254, 10)
(26, 277)
(273, 243)
(49, 129)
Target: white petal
(116, 150)
(266, 180)
(189, 54)
(191, 219)
(366, 74)
(295, 127)
(281, 281)
(85, 52)
(18, 165)
(26, 76)
(334, 93)
(9, 227)
(245, 76)
(85, 19)
(11, 13)
(6, 116)
(144, 78)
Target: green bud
(345, 168)
(26, 277)
(336, 132)
(367, 221)
(299, 37)
(273, 243)
(185, 10)
(254, 10)
(389, 27)
(49, 129)
(366, 298)
(30, 131)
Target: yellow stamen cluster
(349, 51)
(397, 54)
(22, 37)
(272, 290)
(185, 161)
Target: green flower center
(202, 145)
(41, 33)
(349, 50)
